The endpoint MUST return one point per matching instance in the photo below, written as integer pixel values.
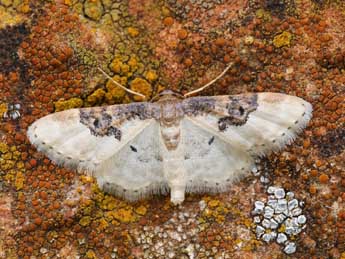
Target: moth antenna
(209, 83)
(119, 85)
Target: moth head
(167, 95)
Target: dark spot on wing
(133, 148)
(239, 107)
(241, 110)
(106, 121)
(211, 140)
(96, 123)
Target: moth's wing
(223, 134)
(116, 144)
(211, 161)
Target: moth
(172, 143)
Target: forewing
(242, 127)
(116, 144)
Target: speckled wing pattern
(222, 135)
(116, 144)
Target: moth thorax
(171, 136)
(169, 115)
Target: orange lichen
(323, 178)
(182, 34)
(168, 21)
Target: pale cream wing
(212, 161)
(116, 144)
(241, 128)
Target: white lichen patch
(279, 219)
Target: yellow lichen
(110, 203)
(10, 176)
(262, 14)
(85, 221)
(3, 109)
(116, 65)
(10, 17)
(282, 229)
(119, 67)
(90, 254)
(215, 210)
(213, 203)
(142, 86)
(96, 97)
(133, 32)
(151, 75)
(7, 156)
(86, 179)
(133, 63)
(20, 165)
(141, 210)
(3, 147)
(68, 104)
(282, 39)
(19, 182)
(124, 215)
(102, 224)
(6, 164)
(68, 2)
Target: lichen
(142, 86)
(96, 97)
(93, 9)
(124, 215)
(141, 210)
(115, 94)
(85, 221)
(90, 254)
(3, 109)
(282, 39)
(133, 32)
(151, 75)
(3, 148)
(68, 104)
(19, 182)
